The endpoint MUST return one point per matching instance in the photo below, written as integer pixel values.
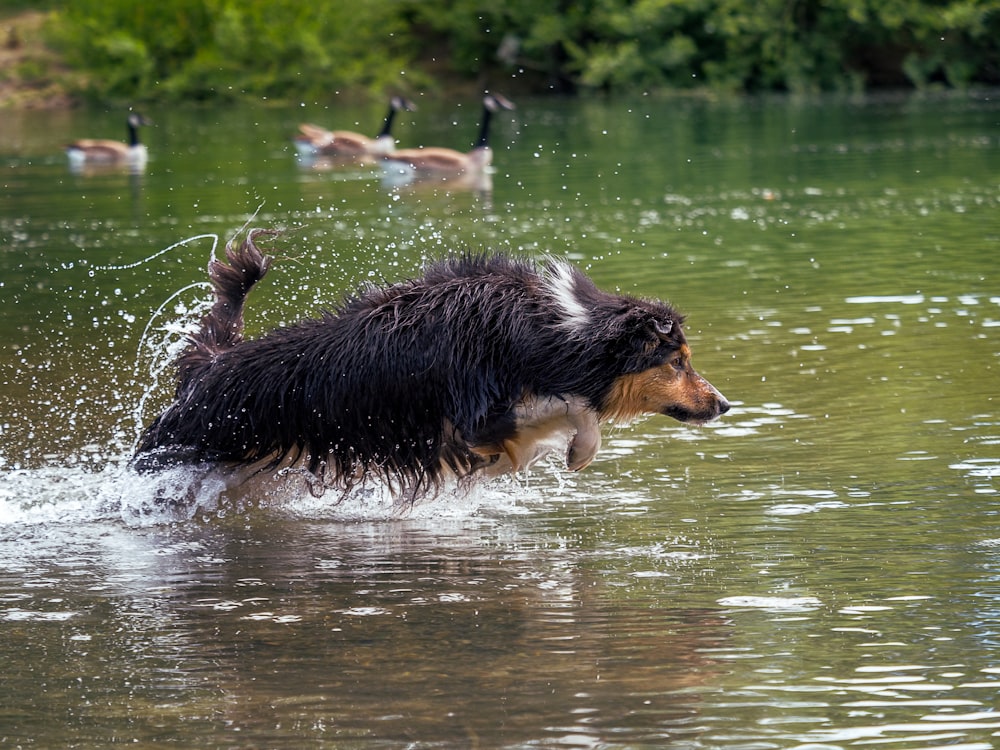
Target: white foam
(73, 495)
(56, 495)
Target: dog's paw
(585, 444)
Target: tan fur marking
(664, 390)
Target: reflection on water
(534, 625)
(399, 182)
(817, 569)
(478, 183)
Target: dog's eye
(677, 363)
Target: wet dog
(472, 368)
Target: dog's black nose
(723, 405)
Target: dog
(473, 368)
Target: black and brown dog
(472, 367)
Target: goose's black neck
(387, 125)
(484, 129)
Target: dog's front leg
(540, 418)
(587, 440)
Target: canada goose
(107, 152)
(443, 162)
(315, 141)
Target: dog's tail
(222, 327)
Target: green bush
(284, 48)
(227, 48)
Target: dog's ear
(652, 332)
(644, 336)
(645, 332)
(663, 329)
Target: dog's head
(656, 376)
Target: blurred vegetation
(211, 49)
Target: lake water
(818, 569)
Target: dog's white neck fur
(561, 283)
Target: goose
(102, 151)
(445, 162)
(314, 140)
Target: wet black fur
(397, 382)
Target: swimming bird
(88, 151)
(314, 140)
(445, 162)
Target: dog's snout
(721, 402)
(724, 405)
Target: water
(818, 569)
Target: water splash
(116, 493)
(158, 253)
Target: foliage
(278, 48)
(796, 45)
(198, 49)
